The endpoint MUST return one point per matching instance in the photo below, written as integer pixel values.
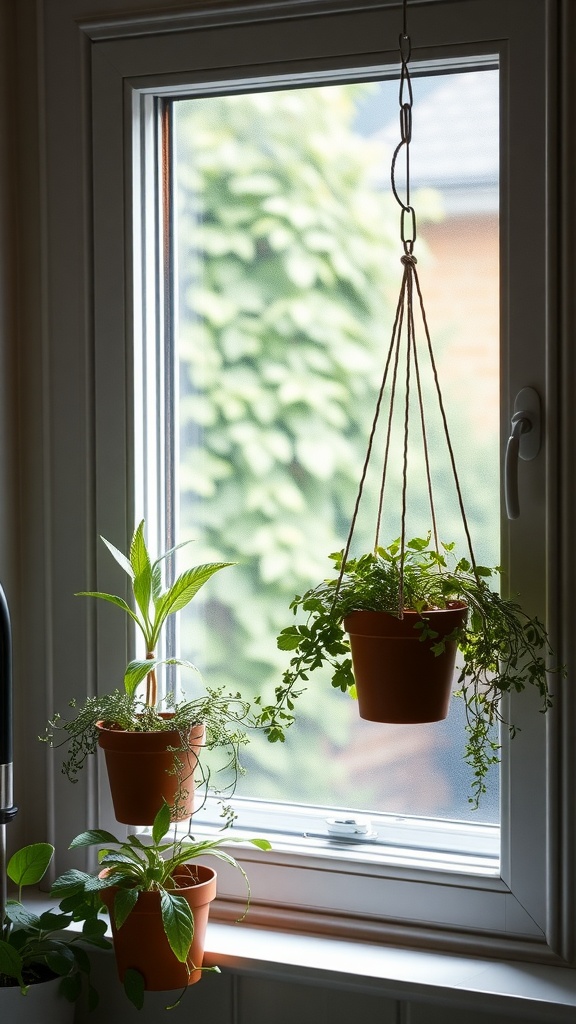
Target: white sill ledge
(530, 991)
(525, 991)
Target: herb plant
(37, 947)
(226, 716)
(503, 650)
(135, 866)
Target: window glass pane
(288, 270)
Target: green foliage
(504, 650)
(154, 605)
(35, 947)
(225, 715)
(134, 866)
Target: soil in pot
(144, 769)
(398, 677)
(141, 942)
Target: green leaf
(29, 865)
(94, 928)
(183, 590)
(161, 823)
(70, 883)
(11, 962)
(262, 844)
(178, 924)
(120, 558)
(21, 917)
(118, 601)
(71, 987)
(141, 565)
(93, 837)
(134, 987)
(61, 961)
(136, 672)
(124, 902)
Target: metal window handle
(523, 443)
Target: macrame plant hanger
(404, 341)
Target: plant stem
(151, 684)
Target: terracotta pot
(398, 677)
(141, 942)
(141, 772)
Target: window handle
(523, 443)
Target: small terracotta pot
(141, 942)
(141, 772)
(398, 677)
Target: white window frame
(126, 58)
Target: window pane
(288, 269)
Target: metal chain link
(406, 101)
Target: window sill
(534, 991)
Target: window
(135, 69)
(286, 253)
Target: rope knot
(408, 260)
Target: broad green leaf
(136, 672)
(70, 883)
(10, 961)
(134, 987)
(94, 928)
(52, 920)
(21, 917)
(124, 901)
(93, 837)
(183, 590)
(71, 987)
(178, 924)
(161, 823)
(61, 962)
(29, 865)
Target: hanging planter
(147, 768)
(392, 600)
(398, 677)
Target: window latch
(523, 443)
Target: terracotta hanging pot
(398, 677)
(143, 772)
(141, 942)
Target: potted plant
(41, 962)
(152, 746)
(158, 900)
(406, 613)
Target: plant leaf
(29, 865)
(120, 558)
(134, 987)
(11, 962)
(183, 590)
(124, 901)
(136, 672)
(161, 823)
(142, 568)
(21, 917)
(178, 924)
(118, 601)
(93, 837)
(70, 883)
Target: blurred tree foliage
(289, 267)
